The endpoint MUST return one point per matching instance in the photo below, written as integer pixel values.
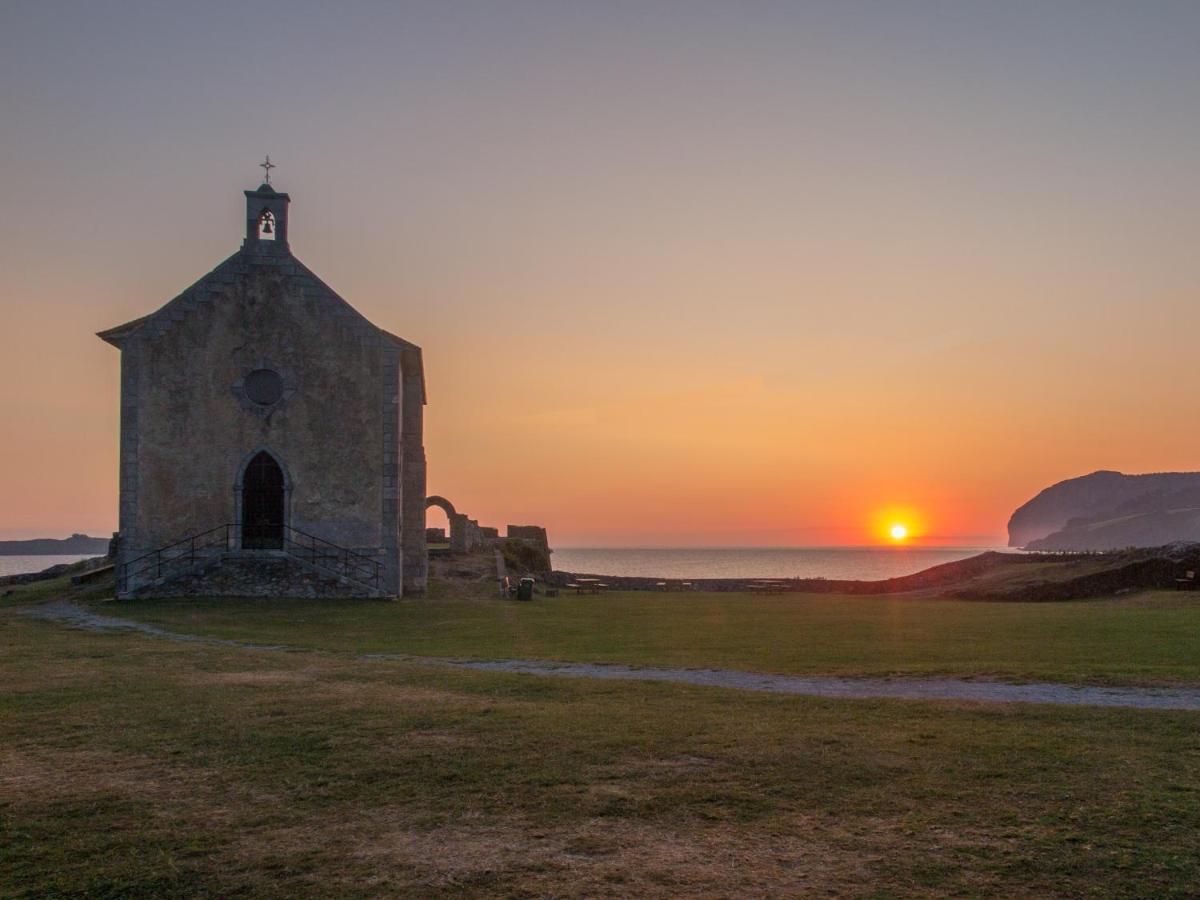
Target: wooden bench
(1187, 582)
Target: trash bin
(525, 589)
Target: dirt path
(812, 686)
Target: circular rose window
(263, 386)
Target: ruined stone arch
(463, 537)
(443, 504)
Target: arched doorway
(454, 520)
(448, 512)
(437, 528)
(262, 503)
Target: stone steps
(259, 576)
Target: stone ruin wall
(466, 534)
(531, 534)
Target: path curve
(71, 615)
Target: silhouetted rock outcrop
(1109, 511)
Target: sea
(18, 565)
(852, 563)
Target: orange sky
(678, 282)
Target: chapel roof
(209, 287)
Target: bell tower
(266, 217)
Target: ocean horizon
(865, 563)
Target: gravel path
(810, 686)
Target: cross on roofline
(266, 165)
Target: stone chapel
(271, 437)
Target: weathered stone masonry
(260, 367)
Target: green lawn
(1144, 639)
(138, 767)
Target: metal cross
(267, 166)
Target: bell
(267, 226)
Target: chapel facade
(271, 436)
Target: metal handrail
(177, 543)
(156, 559)
(352, 563)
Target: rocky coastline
(990, 576)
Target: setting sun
(897, 523)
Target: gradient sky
(685, 273)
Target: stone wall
(257, 577)
(411, 554)
(194, 434)
(347, 430)
(532, 534)
(466, 534)
(55, 571)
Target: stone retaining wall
(54, 571)
(256, 577)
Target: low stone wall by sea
(82, 565)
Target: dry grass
(136, 767)
(1132, 639)
(251, 679)
(388, 847)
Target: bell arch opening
(266, 226)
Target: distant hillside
(1110, 511)
(76, 544)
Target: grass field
(138, 767)
(1143, 639)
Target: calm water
(17, 565)
(865, 563)
(862, 563)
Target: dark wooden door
(262, 504)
